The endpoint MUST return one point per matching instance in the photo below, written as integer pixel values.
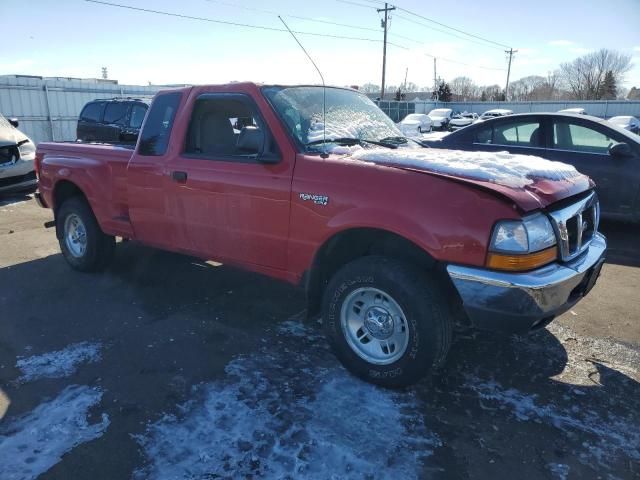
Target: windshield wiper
(399, 141)
(349, 141)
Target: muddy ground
(166, 367)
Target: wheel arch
(350, 244)
(62, 191)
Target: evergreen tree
(444, 91)
(609, 90)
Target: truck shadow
(9, 199)
(623, 247)
(500, 407)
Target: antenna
(324, 90)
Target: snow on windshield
(500, 167)
(343, 121)
(348, 114)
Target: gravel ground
(167, 367)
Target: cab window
(227, 127)
(155, 136)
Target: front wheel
(386, 320)
(83, 244)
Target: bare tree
(370, 88)
(584, 77)
(463, 89)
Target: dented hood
(530, 182)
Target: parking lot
(169, 367)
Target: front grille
(8, 155)
(576, 225)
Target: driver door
(585, 145)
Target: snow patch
(560, 471)
(287, 411)
(58, 364)
(33, 443)
(609, 436)
(500, 167)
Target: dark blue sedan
(606, 153)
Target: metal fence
(602, 109)
(48, 108)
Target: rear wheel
(83, 244)
(386, 320)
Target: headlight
(522, 244)
(27, 151)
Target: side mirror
(620, 150)
(14, 121)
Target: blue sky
(76, 38)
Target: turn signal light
(521, 262)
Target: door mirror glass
(14, 121)
(620, 150)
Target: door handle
(180, 177)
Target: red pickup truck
(395, 244)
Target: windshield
(348, 114)
(414, 116)
(440, 112)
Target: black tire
(99, 246)
(423, 303)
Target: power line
(271, 29)
(225, 22)
(445, 32)
(430, 20)
(308, 19)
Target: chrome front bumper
(519, 302)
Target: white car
(496, 112)
(575, 111)
(415, 124)
(627, 122)
(462, 120)
(440, 117)
(17, 153)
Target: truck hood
(530, 182)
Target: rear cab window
(92, 112)
(154, 138)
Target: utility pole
(435, 80)
(406, 72)
(511, 51)
(385, 24)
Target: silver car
(17, 155)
